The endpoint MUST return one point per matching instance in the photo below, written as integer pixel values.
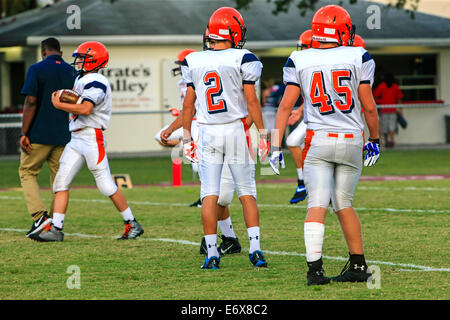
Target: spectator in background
(271, 97)
(388, 92)
(45, 130)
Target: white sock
(300, 173)
(58, 219)
(226, 227)
(314, 232)
(211, 244)
(254, 237)
(127, 215)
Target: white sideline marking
(281, 253)
(262, 205)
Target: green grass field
(405, 230)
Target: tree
(305, 5)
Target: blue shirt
(50, 125)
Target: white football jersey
(183, 88)
(329, 81)
(218, 77)
(95, 88)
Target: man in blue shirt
(45, 129)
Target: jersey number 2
(322, 100)
(213, 92)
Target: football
(69, 96)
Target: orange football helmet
(358, 41)
(305, 40)
(180, 58)
(93, 56)
(332, 23)
(226, 23)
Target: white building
(145, 36)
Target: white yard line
(411, 267)
(262, 205)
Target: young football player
(335, 80)
(88, 120)
(296, 138)
(230, 243)
(173, 134)
(222, 81)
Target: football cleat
(37, 226)
(316, 275)
(50, 233)
(203, 248)
(132, 230)
(211, 263)
(353, 272)
(197, 203)
(229, 245)
(257, 259)
(300, 193)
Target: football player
(296, 138)
(171, 135)
(222, 81)
(87, 122)
(334, 80)
(230, 243)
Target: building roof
(184, 21)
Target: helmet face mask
(332, 23)
(226, 23)
(90, 56)
(180, 58)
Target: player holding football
(223, 81)
(334, 79)
(87, 122)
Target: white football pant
(87, 145)
(332, 168)
(225, 143)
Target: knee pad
(226, 194)
(341, 200)
(105, 182)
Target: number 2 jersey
(329, 81)
(95, 88)
(218, 78)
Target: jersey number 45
(321, 99)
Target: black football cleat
(197, 203)
(39, 225)
(353, 272)
(229, 245)
(316, 275)
(300, 193)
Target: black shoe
(39, 225)
(197, 203)
(316, 275)
(353, 272)
(300, 192)
(229, 245)
(203, 248)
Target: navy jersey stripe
(95, 84)
(289, 63)
(292, 84)
(366, 57)
(184, 63)
(249, 57)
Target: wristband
(374, 140)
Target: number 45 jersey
(329, 81)
(218, 78)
